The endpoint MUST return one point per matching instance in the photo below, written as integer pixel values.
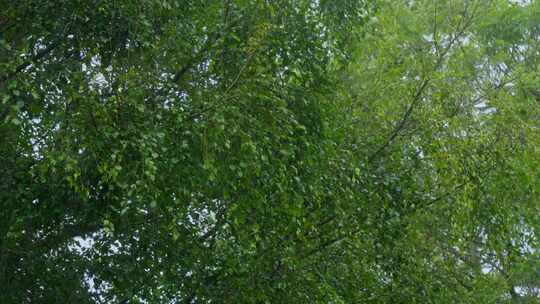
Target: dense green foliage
(286, 151)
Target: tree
(269, 151)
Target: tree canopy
(284, 151)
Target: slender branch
(417, 97)
(39, 55)
(358, 229)
(401, 125)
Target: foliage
(269, 151)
